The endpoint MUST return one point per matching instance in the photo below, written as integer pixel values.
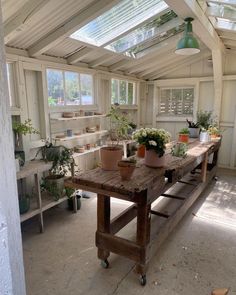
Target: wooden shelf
(76, 155)
(78, 118)
(33, 167)
(47, 203)
(101, 132)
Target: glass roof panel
(150, 31)
(229, 2)
(224, 24)
(118, 20)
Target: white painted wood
(233, 145)
(218, 81)
(101, 60)
(77, 56)
(76, 22)
(18, 22)
(202, 27)
(215, 11)
(12, 279)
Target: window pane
(72, 93)
(123, 92)
(188, 95)
(10, 84)
(130, 93)
(176, 104)
(55, 88)
(114, 91)
(86, 83)
(118, 20)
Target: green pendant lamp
(188, 45)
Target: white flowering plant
(153, 139)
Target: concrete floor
(199, 256)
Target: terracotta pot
(183, 138)
(141, 151)
(126, 169)
(110, 156)
(152, 159)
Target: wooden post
(39, 201)
(204, 167)
(103, 221)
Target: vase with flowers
(154, 141)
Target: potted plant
(154, 141)
(71, 193)
(111, 155)
(126, 168)
(179, 150)
(24, 203)
(61, 165)
(137, 136)
(20, 129)
(184, 135)
(214, 132)
(193, 129)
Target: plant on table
(110, 155)
(184, 135)
(179, 150)
(193, 128)
(204, 119)
(214, 131)
(154, 141)
(127, 168)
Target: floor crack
(122, 279)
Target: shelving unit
(43, 201)
(101, 132)
(76, 155)
(78, 118)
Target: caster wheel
(105, 263)
(143, 280)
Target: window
(69, 88)
(122, 92)
(11, 85)
(176, 101)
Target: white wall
(11, 263)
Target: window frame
(12, 86)
(171, 88)
(70, 107)
(127, 92)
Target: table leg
(38, 191)
(143, 238)
(103, 222)
(204, 168)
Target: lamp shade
(187, 45)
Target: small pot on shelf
(126, 169)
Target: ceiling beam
(76, 22)
(183, 63)
(101, 60)
(19, 21)
(202, 26)
(217, 59)
(79, 55)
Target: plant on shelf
(112, 154)
(24, 203)
(184, 135)
(154, 141)
(62, 159)
(193, 128)
(20, 129)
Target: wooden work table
(173, 185)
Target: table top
(144, 177)
(33, 167)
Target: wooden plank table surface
(147, 185)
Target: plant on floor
(73, 193)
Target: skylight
(152, 33)
(120, 19)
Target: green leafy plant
(24, 128)
(119, 125)
(204, 119)
(214, 130)
(184, 131)
(179, 150)
(153, 139)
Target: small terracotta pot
(141, 151)
(183, 138)
(110, 156)
(126, 169)
(152, 159)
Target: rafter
(79, 55)
(101, 60)
(18, 22)
(76, 22)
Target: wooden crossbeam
(173, 196)
(160, 214)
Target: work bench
(174, 188)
